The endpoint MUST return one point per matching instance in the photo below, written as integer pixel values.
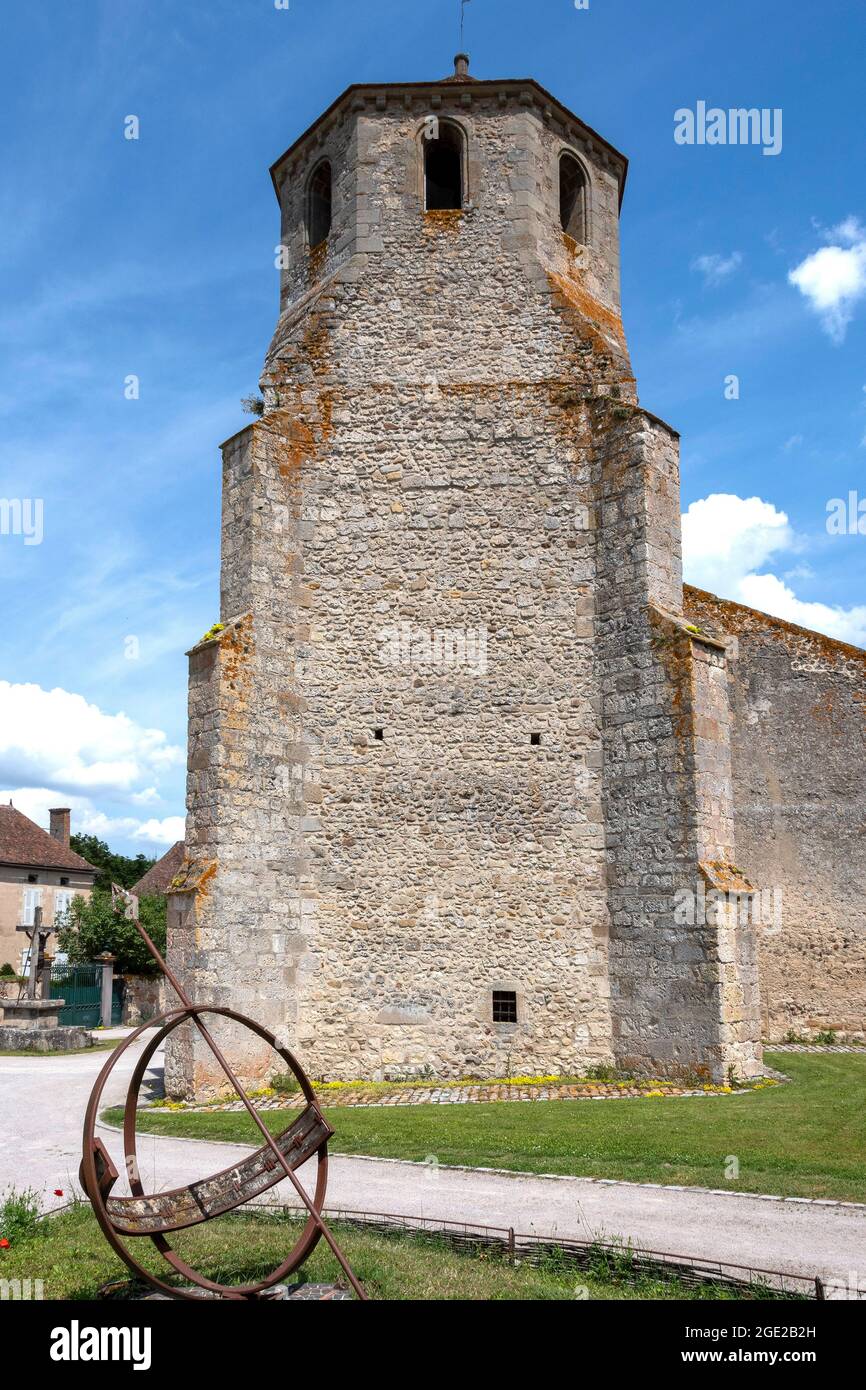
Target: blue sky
(154, 258)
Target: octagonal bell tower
(454, 751)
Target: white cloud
(849, 232)
(727, 540)
(793, 443)
(768, 593)
(145, 798)
(725, 537)
(715, 268)
(833, 279)
(162, 832)
(56, 749)
(55, 738)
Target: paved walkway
(43, 1105)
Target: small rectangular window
(504, 1006)
(32, 900)
(62, 903)
(379, 734)
(535, 740)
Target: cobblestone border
(470, 1095)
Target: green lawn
(70, 1255)
(805, 1139)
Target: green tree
(113, 868)
(93, 925)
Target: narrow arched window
(443, 169)
(319, 204)
(572, 198)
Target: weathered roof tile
(25, 843)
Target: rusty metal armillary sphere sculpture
(158, 1215)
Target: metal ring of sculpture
(157, 1216)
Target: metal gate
(80, 987)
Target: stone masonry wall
(684, 993)
(397, 788)
(799, 768)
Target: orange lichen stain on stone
(302, 431)
(315, 344)
(442, 220)
(194, 877)
(207, 874)
(300, 445)
(316, 257)
(570, 245)
(572, 294)
(725, 877)
(824, 711)
(236, 646)
(674, 650)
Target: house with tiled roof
(37, 869)
(157, 880)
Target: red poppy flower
(4, 1244)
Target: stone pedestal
(31, 1025)
(32, 1013)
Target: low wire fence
(602, 1258)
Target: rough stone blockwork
(455, 739)
(799, 766)
(684, 986)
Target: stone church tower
(456, 757)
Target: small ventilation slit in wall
(535, 740)
(379, 734)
